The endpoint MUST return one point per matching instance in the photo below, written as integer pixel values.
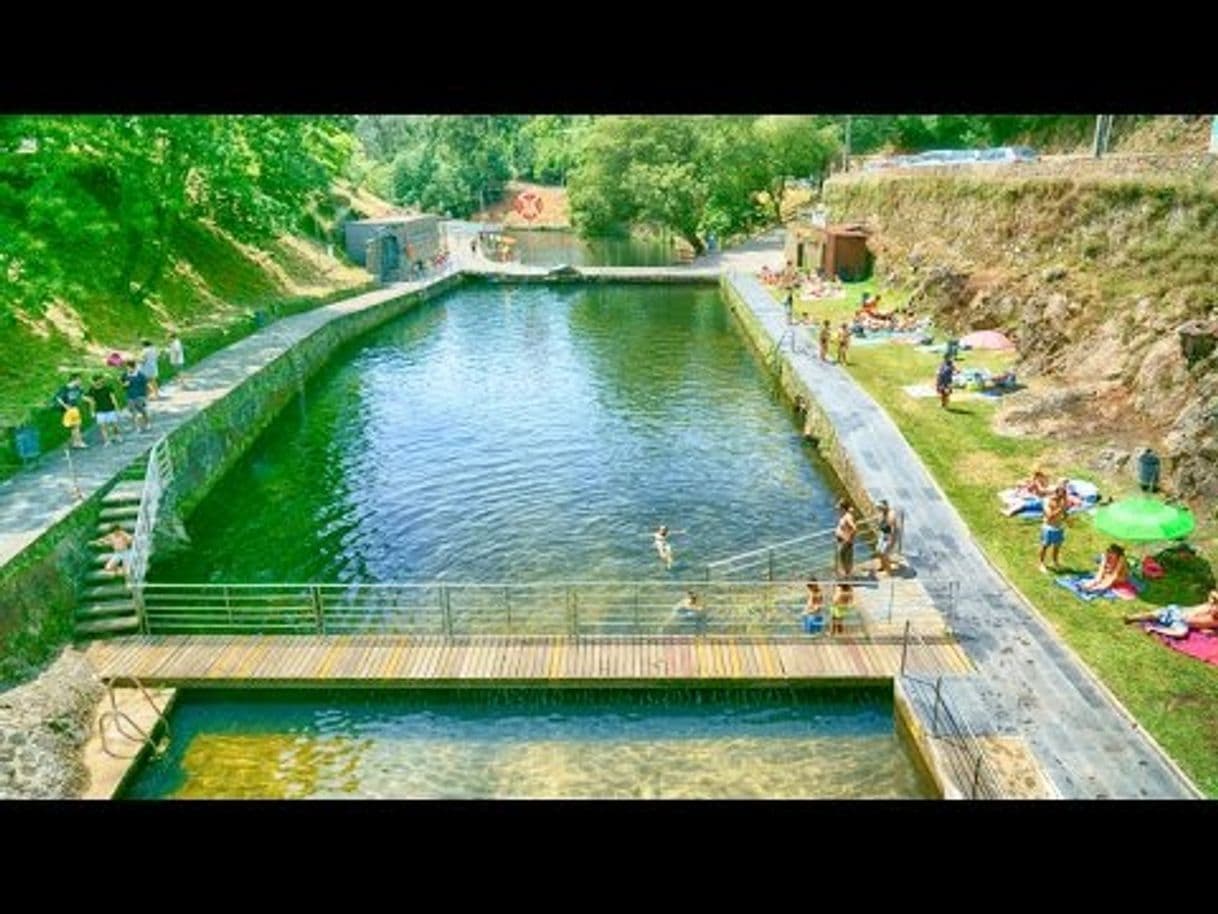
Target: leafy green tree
(792, 147)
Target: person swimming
(663, 547)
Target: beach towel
(927, 391)
(1126, 591)
(1201, 645)
(1083, 496)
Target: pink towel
(1124, 591)
(1202, 645)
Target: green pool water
(518, 433)
(521, 743)
(552, 248)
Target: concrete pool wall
(39, 585)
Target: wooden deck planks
(168, 660)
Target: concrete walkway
(1028, 684)
(34, 500)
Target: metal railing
(157, 477)
(575, 608)
(811, 553)
(965, 760)
(141, 736)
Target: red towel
(1202, 645)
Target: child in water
(663, 547)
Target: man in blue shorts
(1053, 530)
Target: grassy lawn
(1174, 697)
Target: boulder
(1197, 340)
(1110, 460)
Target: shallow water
(518, 743)
(524, 433)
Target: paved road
(1028, 683)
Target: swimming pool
(518, 433)
(535, 743)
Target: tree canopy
(120, 185)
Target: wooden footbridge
(369, 661)
(450, 634)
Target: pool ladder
(119, 716)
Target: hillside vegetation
(1110, 288)
(117, 228)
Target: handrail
(157, 476)
(575, 608)
(118, 716)
(767, 555)
(977, 775)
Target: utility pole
(1103, 130)
(846, 156)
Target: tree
(788, 147)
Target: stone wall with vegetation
(38, 589)
(1108, 288)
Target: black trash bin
(1148, 470)
(25, 439)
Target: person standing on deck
(887, 524)
(844, 535)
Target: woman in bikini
(1113, 571)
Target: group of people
(813, 614)
(138, 380)
(870, 319)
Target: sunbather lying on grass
(1035, 487)
(1178, 622)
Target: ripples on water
(582, 744)
(523, 433)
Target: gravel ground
(43, 725)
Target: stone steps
(124, 493)
(129, 511)
(103, 592)
(101, 627)
(107, 609)
(127, 524)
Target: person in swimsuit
(119, 541)
(843, 343)
(887, 524)
(826, 333)
(1053, 530)
(1113, 571)
(1182, 621)
(843, 599)
(844, 534)
(663, 547)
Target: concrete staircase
(105, 606)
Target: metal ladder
(159, 746)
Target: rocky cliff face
(1110, 289)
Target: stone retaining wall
(826, 435)
(38, 589)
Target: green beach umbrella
(1144, 520)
